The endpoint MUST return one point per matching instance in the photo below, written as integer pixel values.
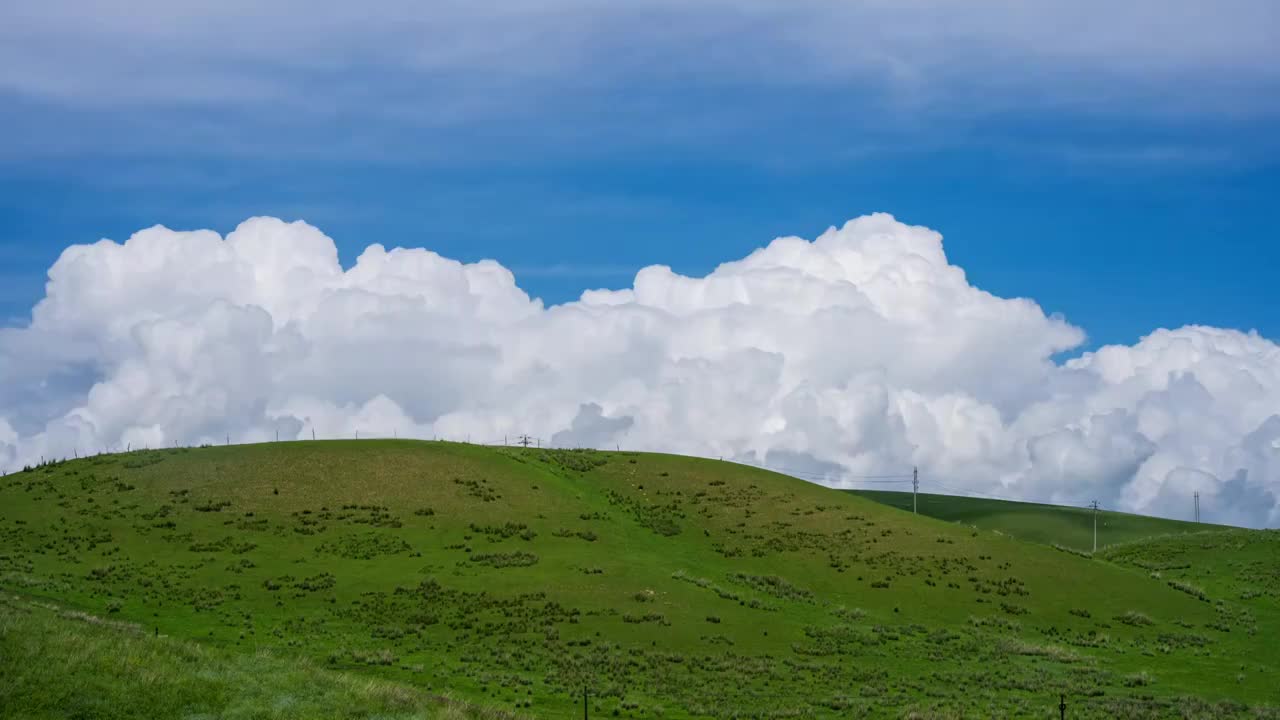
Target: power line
(976, 494)
(988, 496)
(897, 479)
(903, 477)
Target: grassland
(665, 586)
(1034, 522)
(58, 664)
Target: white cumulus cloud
(862, 352)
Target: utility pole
(1062, 707)
(584, 704)
(915, 488)
(524, 440)
(1197, 506)
(1094, 504)
(313, 434)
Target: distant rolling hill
(1049, 524)
(513, 580)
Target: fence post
(1062, 707)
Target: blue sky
(1126, 182)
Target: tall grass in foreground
(58, 664)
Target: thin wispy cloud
(283, 77)
(254, 52)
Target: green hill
(1049, 524)
(60, 664)
(665, 586)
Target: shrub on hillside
(502, 560)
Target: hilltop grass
(666, 586)
(1068, 527)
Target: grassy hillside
(666, 586)
(1034, 522)
(56, 664)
